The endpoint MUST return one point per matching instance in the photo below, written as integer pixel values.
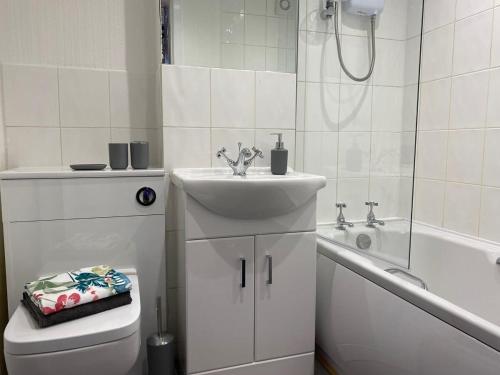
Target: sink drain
(363, 241)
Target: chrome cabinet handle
(270, 269)
(243, 272)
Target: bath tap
(341, 221)
(371, 220)
(245, 159)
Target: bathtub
(441, 316)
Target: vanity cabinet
(246, 279)
(220, 303)
(249, 299)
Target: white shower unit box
(363, 7)
(56, 220)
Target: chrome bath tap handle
(341, 221)
(371, 220)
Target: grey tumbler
(139, 155)
(118, 155)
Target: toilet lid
(22, 336)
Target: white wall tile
(386, 191)
(134, 99)
(386, 151)
(392, 21)
(387, 111)
(84, 97)
(229, 138)
(461, 209)
(275, 100)
(390, 67)
(233, 28)
(493, 117)
(255, 30)
(491, 173)
(85, 145)
(301, 56)
(234, 6)
(322, 107)
(469, 100)
(320, 153)
(467, 8)
(299, 151)
(256, 7)
(265, 142)
(186, 148)
(438, 13)
(355, 107)
(431, 154)
(472, 46)
(354, 154)
(489, 219)
(465, 156)
(322, 63)
(435, 104)
(429, 201)
(233, 98)
(495, 48)
(277, 32)
(186, 96)
(327, 197)
(233, 56)
(30, 96)
(29, 146)
(437, 54)
(255, 58)
(301, 107)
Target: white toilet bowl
(105, 343)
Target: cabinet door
(220, 303)
(285, 294)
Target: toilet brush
(161, 348)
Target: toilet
(104, 343)
(58, 220)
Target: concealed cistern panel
(55, 199)
(363, 7)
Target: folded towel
(76, 312)
(66, 290)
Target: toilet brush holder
(161, 349)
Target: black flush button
(145, 196)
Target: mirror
(258, 35)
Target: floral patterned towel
(66, 290)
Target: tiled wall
(235, 34)
(76, 75)
(205, 109)
(60, 115)
(458, 163)
(360, 136)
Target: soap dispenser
(279, 157)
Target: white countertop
(66, 172)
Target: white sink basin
(258, 195)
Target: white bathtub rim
(463, 320)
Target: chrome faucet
(245, 159)
(371, 220)
(341, 221)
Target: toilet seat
(23, 337)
